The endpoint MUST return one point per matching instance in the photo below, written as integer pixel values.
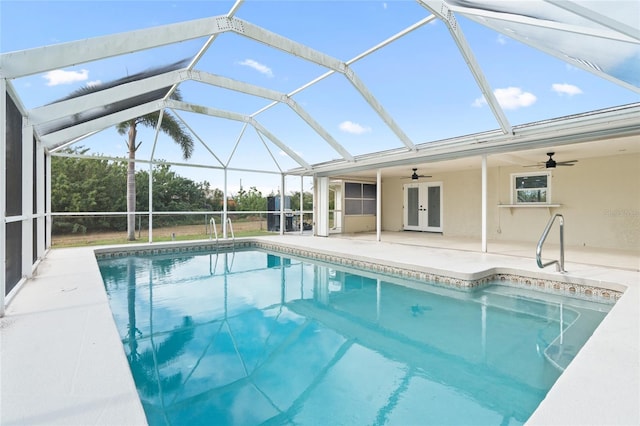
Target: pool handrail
(213, 229)
(233, 237)
(543, 237)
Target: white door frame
(423, 207)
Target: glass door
(423, 206)
(414, 207)
(434, 207)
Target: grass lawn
(173, 233)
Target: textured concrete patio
(62, 362)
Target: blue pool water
(252, 337)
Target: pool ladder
(214, 231)
(545, 233)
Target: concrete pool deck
(62, 361)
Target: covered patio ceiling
(383, 83)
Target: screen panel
(13, 255)
(14, 159)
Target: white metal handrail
(233, 237)
(545, 233)
(213, 229)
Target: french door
(423, 206)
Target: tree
(172, 128)
(251, 200)
(81, 185)
(171, 192)
(307, 199)
(215, 197)
(168, 125)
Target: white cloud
(514, 98)
(57, 77)
(479, 102)
(94, 83)
(353, 128)
(566, 89)
(501, 39)
(509, 98)
(261, 68)
(384, 5)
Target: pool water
(253, 337)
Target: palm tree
(172, 128)
(169, 125)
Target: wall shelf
(529, 206)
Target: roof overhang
(610, 124)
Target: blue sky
(421, 79)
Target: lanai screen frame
(35, 214)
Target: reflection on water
(250, 337)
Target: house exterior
(482, 185)
(598, 197)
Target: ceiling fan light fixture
(415, 175)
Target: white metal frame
(3, 195)
(13, 65)
(514, 190)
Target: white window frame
(362, 198)
(514, 197)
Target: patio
(63, 363)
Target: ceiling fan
(415, 175)
(551, 163)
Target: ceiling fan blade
(566, 163)
(415, 177)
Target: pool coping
(578, 287)
(600, 386)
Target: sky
(421, 80)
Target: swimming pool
(258, 337)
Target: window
(531, 188)
(359, 198)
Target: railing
(231, 228)
(545, 233)
(213, 229)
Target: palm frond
(172, 128)
(124, 80)
(114, 107)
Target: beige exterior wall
(599, 199)
(359, 224)
(392, 204)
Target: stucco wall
(392, 203)
(599, 198)
(359, 224)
